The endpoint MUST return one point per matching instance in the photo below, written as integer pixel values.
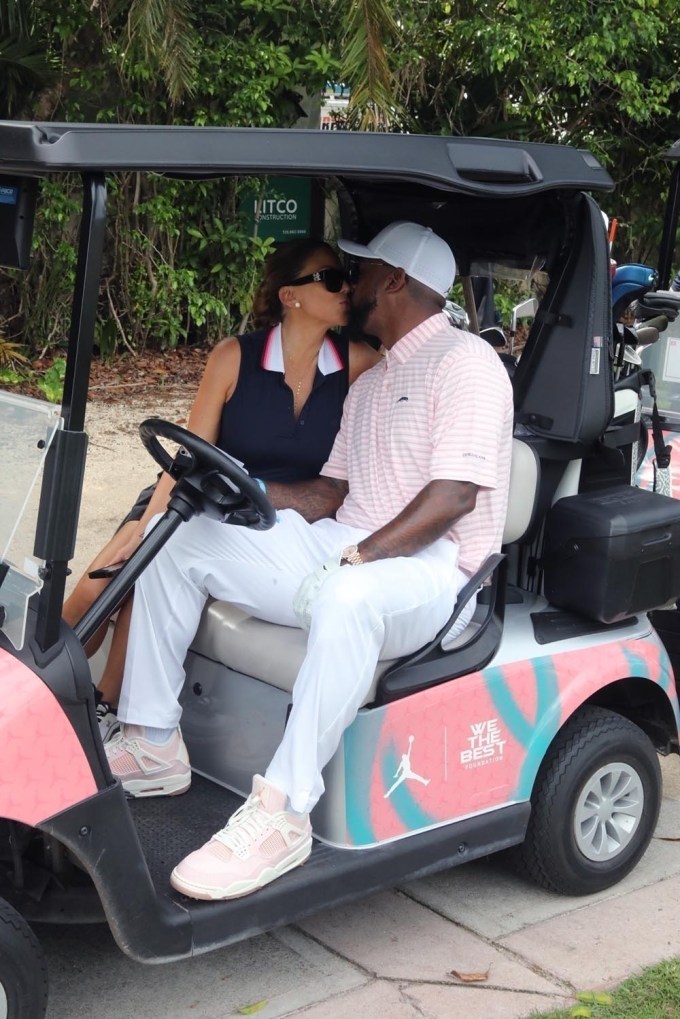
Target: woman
(272, 399)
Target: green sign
(282, 210)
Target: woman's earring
(297, 304)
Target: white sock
(157, 736)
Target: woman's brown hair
(280, 267)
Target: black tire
(554, 851)
(23, 969)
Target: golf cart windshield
(27, 428)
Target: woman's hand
(130, 546)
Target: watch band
(352, 555)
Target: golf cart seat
(273, 653)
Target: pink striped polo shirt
(439, 406)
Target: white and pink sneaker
(149, 769)
(260, 842)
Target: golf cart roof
(476, 166)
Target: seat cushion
(523, 492)
(266, 651)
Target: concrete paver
(379, 998)
(414, 1001)
(603, 943)
(479, 1003)
(89, 976)
(392, 936)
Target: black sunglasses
(355, 265)
(332, 279)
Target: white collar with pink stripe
(272, 354)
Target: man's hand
(309, 589)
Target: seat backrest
(525, 476)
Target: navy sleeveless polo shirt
(258, 424)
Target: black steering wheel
(228, 492)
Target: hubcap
(608, 811)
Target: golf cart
(539, 729)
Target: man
(411, 501)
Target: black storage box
(611, 553)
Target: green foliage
(370, 32)
(603, 76)
(10, 377)
(653, 994)
(51, 384)
(180, 264)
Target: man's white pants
(383, 609)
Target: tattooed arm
(315, 499)
(430, 515)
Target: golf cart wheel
(595, 805)
(23, 969)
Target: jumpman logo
(404, 771)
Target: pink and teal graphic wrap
(43, 767)
(645, 474)
(477, 742)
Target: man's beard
(359, 315)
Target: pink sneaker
(260, 842)
(149, 769)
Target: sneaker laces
(103, 709)
(245, 825)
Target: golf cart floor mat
(170, 827)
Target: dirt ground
(121, 396)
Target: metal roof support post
(85, 298)
(65, 463)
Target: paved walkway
(396, 954)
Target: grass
(655, 994)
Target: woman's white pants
(383, 609)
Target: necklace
(296, 388)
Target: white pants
(383, 609)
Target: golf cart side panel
(645, 476)
(475, 744)
(465, 747)
(43, 765)
(473, 166)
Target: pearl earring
(297, 304)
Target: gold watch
(351, 555)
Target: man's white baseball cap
(416, 249)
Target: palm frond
(23, 69)
(369, 30)
(15, 17)
(10, 353)
(165, 30)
